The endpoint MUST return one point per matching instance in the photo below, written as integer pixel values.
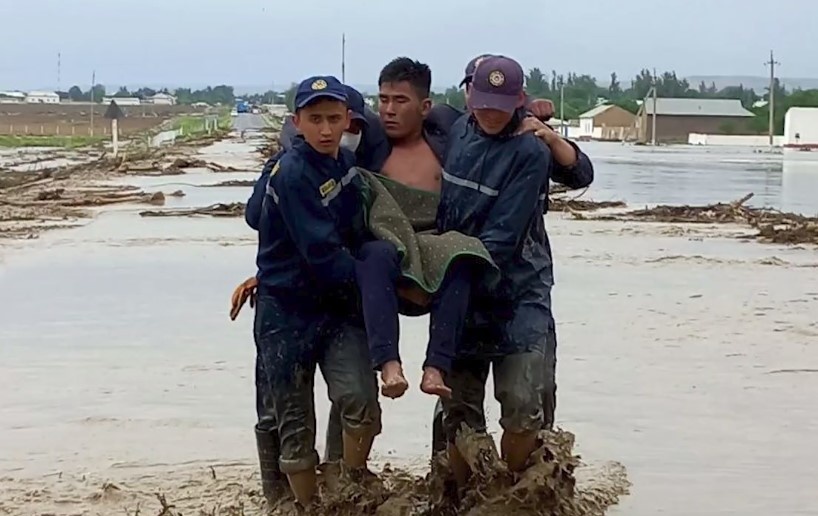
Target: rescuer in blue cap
(311, 219)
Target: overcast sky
(265, 42)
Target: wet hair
(403, 69)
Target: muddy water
(688, 357)
(704, 175)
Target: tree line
(583, 92)
(212, 95)
(580, 93)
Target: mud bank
(556, 484)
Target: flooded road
(688, 357)
(704, 175)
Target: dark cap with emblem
(319, 87)
(356, 104)
(497, 83)
(470, 67)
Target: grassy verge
(193, 126)
(66, 142)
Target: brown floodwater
(686, 355)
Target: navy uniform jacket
(579, 175)
(371, 154)
(492, 190)
(311, 219)
(436, 129)
(373, 149)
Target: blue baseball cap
(497, 83)
(471, 66)
(320, 86)
(356, 104)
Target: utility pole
(562, 110)
(93, 82)
(771, 98)
(653, 118)
(58, 72)
(343, 57)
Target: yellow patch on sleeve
(327, 187)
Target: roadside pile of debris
(772, 226)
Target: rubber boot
(334, 450)
(273, 483)
(438, 434)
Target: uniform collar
(316, 158)
(507, 132)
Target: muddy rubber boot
(334, 450)
(438, 434)
(273, 483)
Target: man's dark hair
(403, 69)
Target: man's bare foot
(394, 383)
(432, 383)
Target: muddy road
(685, 354)
(248, 122)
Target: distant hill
(756, 83)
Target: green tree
(535, 83)
(75, 94)
(289, 96)
(615, 89)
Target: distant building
(12, 97)
(676, 118)
(122, 101)
(42, 97)
(607, 122)
(163, 99)
(801, 128)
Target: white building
(42, 97)
(163, 99)
(801, 127)
(12, 97)
(122, 101)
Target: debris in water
(564, 204)
(773, 226)
(560, 200)
(233, 209)
(232, 183)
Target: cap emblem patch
(496, 78)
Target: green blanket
(405, 216)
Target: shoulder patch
(327, 187)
